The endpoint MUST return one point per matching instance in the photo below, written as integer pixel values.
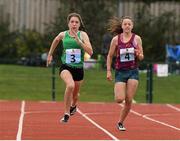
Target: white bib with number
(127, 54)
(73, 56)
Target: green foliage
(94, 15)
(16, 44)
(29, 43)
(156, 32)
(7, 49)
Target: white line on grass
(173, 107)
(151, 119)
(19, 133)
(98, 126)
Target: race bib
(127, 54)
(73, 56)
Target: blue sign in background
(173, 52)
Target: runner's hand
(49, 60)
(109, 76)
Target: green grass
(34, 83)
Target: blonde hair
(82, 27)
(114, 24)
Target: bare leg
(119, 91)
(76, 93)
(131, 91)
(67, 78)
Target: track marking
(151, 119)
(40, 112)
(146, 117)
(162, 115)
(107, 113)
(19, 133)
(47, 101)
(2, 100)
(173, 107)
(98, 126)
(96, 102)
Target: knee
(128, 103)
(119, 100)
(75, 98)
(70, 86)
(76, 95)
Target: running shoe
(73, 110)
(65, 118)
(121, 127)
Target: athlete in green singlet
(75, 44)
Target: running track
(27, 120)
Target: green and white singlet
(73, 53)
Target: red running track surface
(27, 120)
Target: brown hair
(82, 27)
(114, 24)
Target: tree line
(155, 31)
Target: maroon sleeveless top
(125, 54)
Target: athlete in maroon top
(127, 47)
(125, 54)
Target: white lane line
(173, 107)
(98, 126)
(176, 128)
(151, 119)
(107, 113)
(19, 133)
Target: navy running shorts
(124, 75)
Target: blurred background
(27, 28)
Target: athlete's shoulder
(138, 39)
(61, 35)
(115, 38)
(83, 33)
(137, 36)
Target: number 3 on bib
(73, 56)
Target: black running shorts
(77, 73)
